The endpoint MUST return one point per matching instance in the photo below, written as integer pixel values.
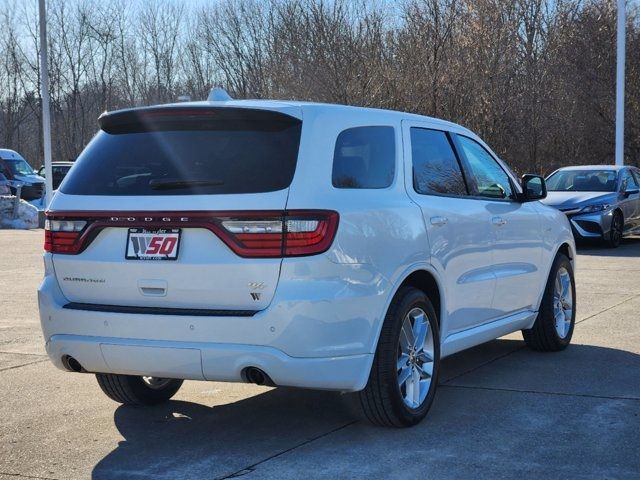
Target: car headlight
(595, 208)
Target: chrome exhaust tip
(257, 376)
(71, 364)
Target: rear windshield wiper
(171, 184)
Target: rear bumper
(317, 333)
(208, 361)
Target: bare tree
(535, 78)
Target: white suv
(295, 244)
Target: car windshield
(19, 167)
(582, 181)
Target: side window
(435, 167)
(491, 180)
(628, 180)
(364, 157)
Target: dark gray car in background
(601, 202)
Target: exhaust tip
(257, 376)
(71, 364)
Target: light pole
(44, 95)
(620, 83)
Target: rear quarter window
(188, 152)
(364, 157)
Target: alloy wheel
(563, 302)
(415, 358)
(616, 229)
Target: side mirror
(533, 188)
(631, 191)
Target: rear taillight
(290, 234)
(259, 234)
(63, 236)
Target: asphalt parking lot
(501, 410)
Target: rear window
(188, 152)
(364, 157)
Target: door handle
(438, 221)
(498, 221)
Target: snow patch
(27, 214)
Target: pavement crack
(251, 468)
(608, 308)
(20, 475)
(21, 353)
(542, 392)
(24, 365)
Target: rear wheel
(133, 390)
(553, 329)
(614, 237)
(404, 373)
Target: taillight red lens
(309, 233)
(292, 233)
(63, 236)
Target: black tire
(381, 400)
(132, 390)
(544, 336)
(614, 237)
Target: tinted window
(19, 167)
(582, 181)
(490, 179)
(198, 151)
(435, 167)
(628, 180)
(364, 157)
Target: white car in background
(296, 244)
(16, 169)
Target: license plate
(153, 244)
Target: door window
(490, 178)
(436, 170)
(628, 180)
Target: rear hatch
(177, 208)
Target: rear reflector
(256, 234)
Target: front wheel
(553, 328)
(133, 390)
(614, 237)
(404, 374)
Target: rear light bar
(255, 234)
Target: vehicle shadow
(630, 247)
(182, 439)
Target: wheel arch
(619, 211)
(425, 281)
(568, 249)
(423, 277)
